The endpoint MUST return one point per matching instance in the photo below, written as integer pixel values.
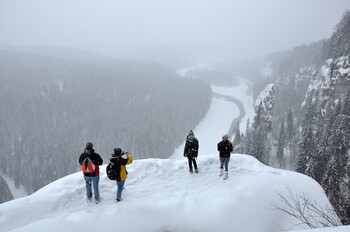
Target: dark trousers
(190, 161)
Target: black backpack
(192, 146)
(112, 171)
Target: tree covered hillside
(50, 107)
(307, 124)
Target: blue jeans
(120, 185)
(92, 180)
(224, 162)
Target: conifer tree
(290, 126)
(257, 118)
(258, 146)
(340, 40)
(346, 108)
(5, 193)
(340, 145)
(307, 151)
(237, 139)
(331, 184)
(247, 141)
(337, 109)
(319, 159)
(311, 168)
(308, 115)
(280, 148)
(324, 149)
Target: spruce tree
(280, 148)
(237, 139)
(257, 118)
(258, 146)
(319, 160)
(309, 113)
(247, 141)
(311, 168)
(307, 151)
(340, 145)
(340, 40)
(290, 126)
(324, 151)
(346, 108)
(5, 193)
(331, 183)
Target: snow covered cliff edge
(160, 195)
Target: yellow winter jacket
(120, 162)
(123, 171)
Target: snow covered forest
(302, 117)
(52, 105)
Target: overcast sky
(227, 28)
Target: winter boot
(196, 170)
(221, 172)
(225, 175)
(191, 171)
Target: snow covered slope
(160, 195)
(328, 229)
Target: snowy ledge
(161, 195)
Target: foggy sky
(235, 29)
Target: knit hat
(117, 151)
(225, 136)
(89, 145)
(191, 133)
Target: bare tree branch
(306, 210)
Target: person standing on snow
(90, 161)
(191, 151)
(225, 148)
(120, 159)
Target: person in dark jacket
(120, 159)
(225, 148)
(90, 161)
(191, 151)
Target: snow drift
(161, 195)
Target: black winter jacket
(94, 157)
(225, 148)
(191, 147)
(118, 160)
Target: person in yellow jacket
(120, 159)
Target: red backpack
(88, 167)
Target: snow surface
(160, 195)
(328, 229)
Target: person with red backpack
(90, 161)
